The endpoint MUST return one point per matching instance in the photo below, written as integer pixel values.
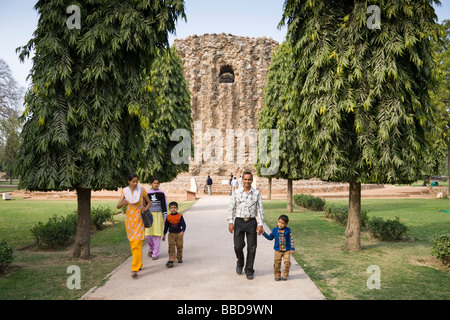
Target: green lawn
(42, 274)
(6, 182)
(420, 183)
(5, 187)
(408, 270)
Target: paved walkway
(208, 268)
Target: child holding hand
(284, 246)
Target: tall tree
(82, 122)
(277, 113)
(169, 89)
(441, 95)
(363, 92)
(11, 144)
(10, 97)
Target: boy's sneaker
(283, 278)
(180, 260)
(169, 264)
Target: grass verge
(408, 270)
(42, 274)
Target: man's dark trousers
(245, 228)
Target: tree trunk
(353, 231)
(82, 238)
(289, 196)
(269, 192)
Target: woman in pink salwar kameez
(154, 234)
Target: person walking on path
(176, 226)
(159, 211)
(246, 219)
(133, 197)
(234, 184)
(284, 247)
(231, 186)
(208, 268)
(209, 183)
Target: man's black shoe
(238, 270)
(249, 276)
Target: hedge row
(309, 202)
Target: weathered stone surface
(226, 76)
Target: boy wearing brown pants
(176, 226)
(284, 247)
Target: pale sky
(252, 18)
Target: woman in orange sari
(133, 197)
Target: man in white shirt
(246, 219)
(234, 184)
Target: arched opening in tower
(226, 74)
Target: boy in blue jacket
(284, 246)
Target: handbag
(147, 218)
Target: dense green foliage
(86, 108)
(387, 229)
(6, 255)
(339, 214)
(169, 89)
(441, 94)
(361, 95)
(58, 230)
(440, 97)
(10, 98)
(55, 232)
(441, 246)
(100, 216)
(277, 113)
(309, 202)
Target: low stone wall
(279, 186)
(178, 187)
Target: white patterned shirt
(246, 205)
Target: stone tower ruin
(226, 76)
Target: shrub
(387, 229)
(309, 202)
(56, 231)
(340, 214)
(72, 220)
(100, 215)
(6, 255)
(336, 213)
(441, 246)
(301, 199)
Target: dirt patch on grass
(432, 262)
